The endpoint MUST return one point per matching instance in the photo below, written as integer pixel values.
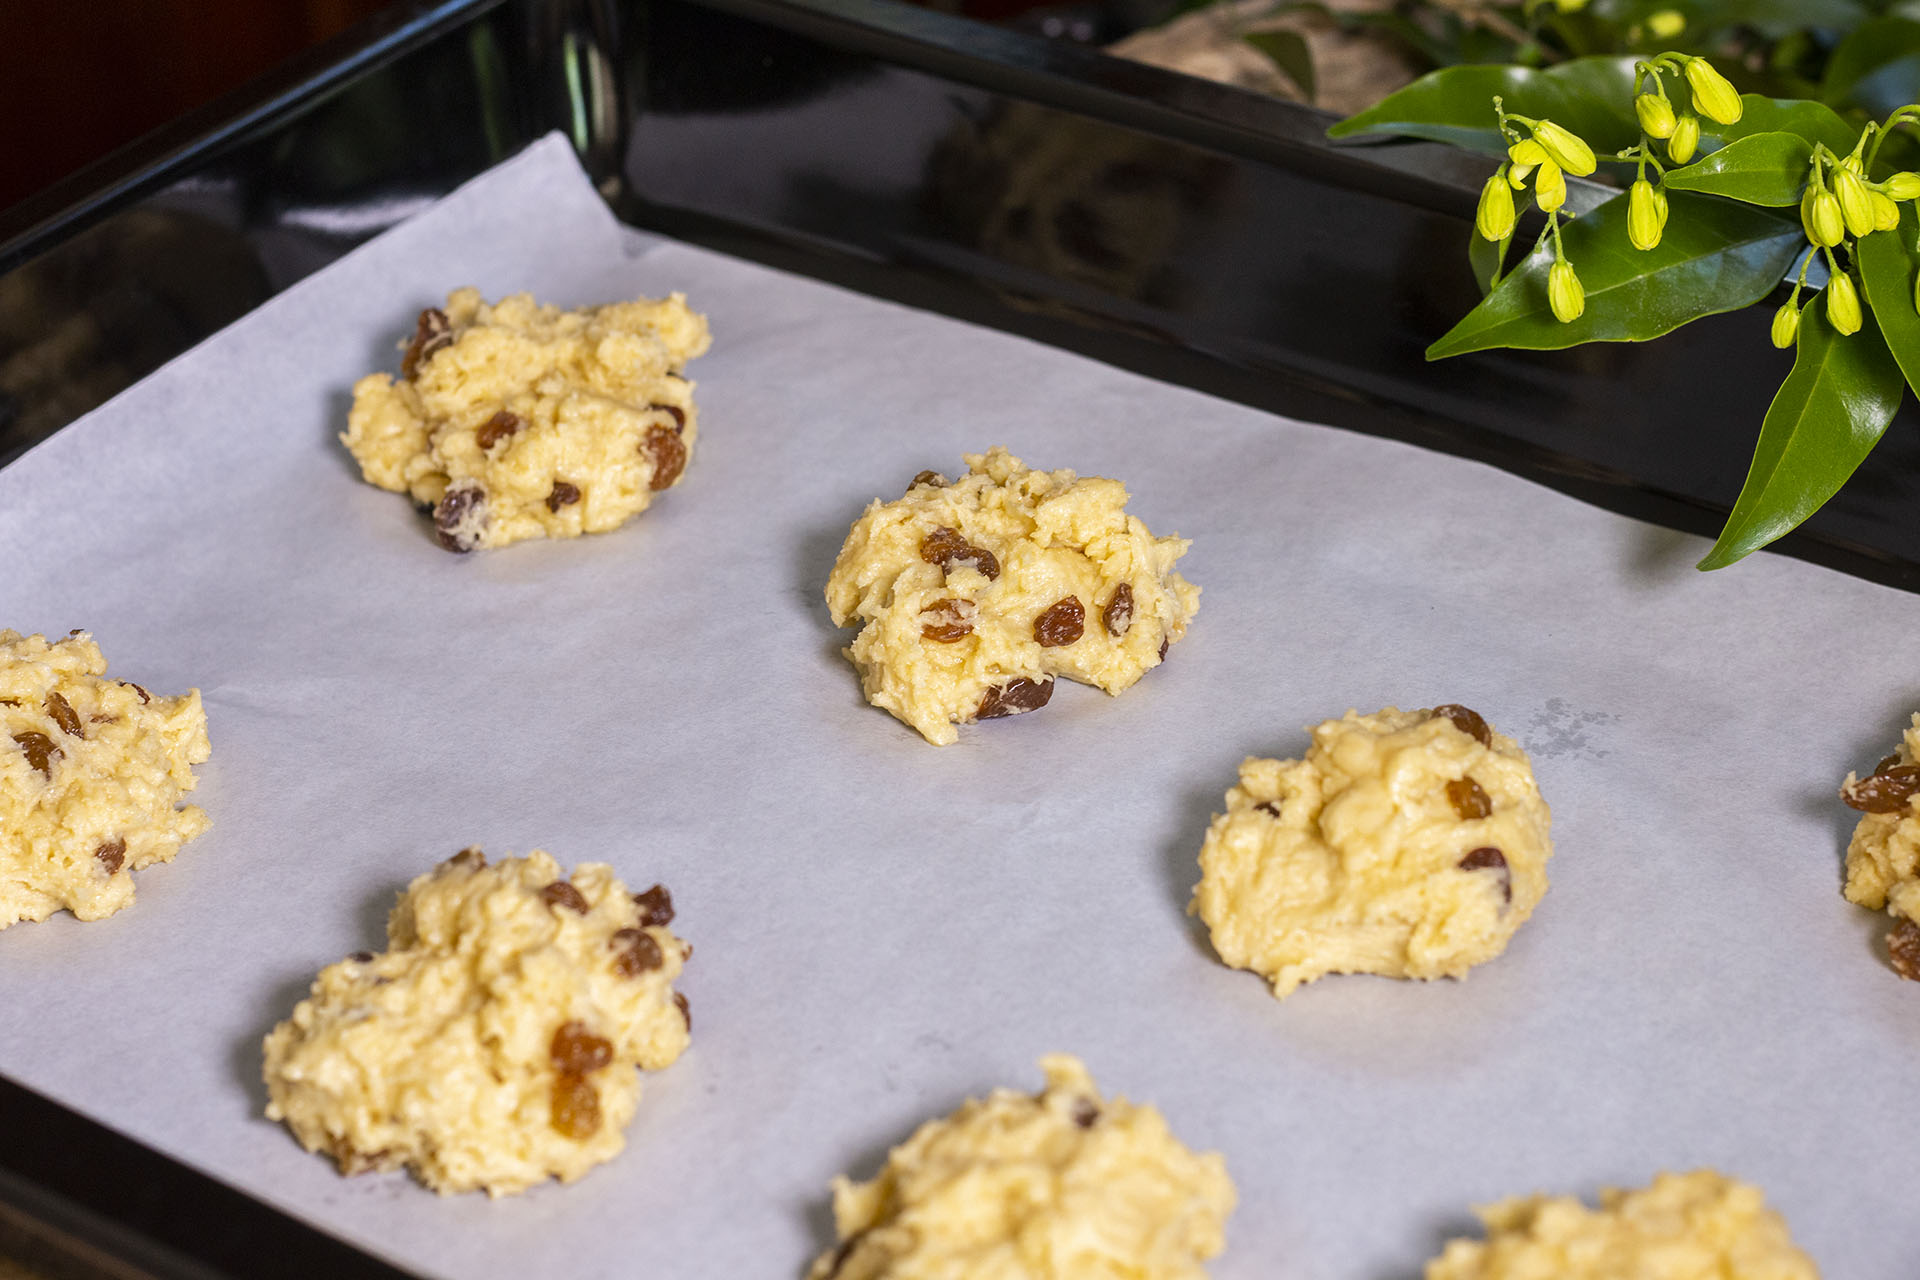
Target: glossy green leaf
(1761, 168)
(1776, 18)
(1873, 64)
(1814, 121)
(1715, 256)
(1889, 263)
(1829, 413)
(1591, 96)
(1487, 259)
(1289, 52)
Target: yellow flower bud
(1495, 218)
(1786, 326)
(1528, 153)
(1550, 187)
(1902, 186)
(1666, 24)
(1564, 148)
(1564, 293)
(1646, 214)
(1820, 216)
(1886, 214)
(1713, 95)
(1843, 304)
(1855, 206)
(1685, 140)
(1656, 115)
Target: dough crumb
(1065, 1185)
(516, 420)
(1686, 1226)
(495, 1042)
(972, 595)
(1410, 844)
(1883, 857)
(92, 772)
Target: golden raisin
(563, 495)
(1118, 615)
(1886, 792)
(669, 454)
(1060, 623)
(948, 621)
(1903, 949)
(63, 715)
(1468, 800)
(686, 1014)
(946, 548)
(656, 906)
(639, 953)
(933, 478)
(1887, 762)
(430, 333)
(112, 855)
(576, 1108)
(562, 894)
(1466, 721)
(495, 429)
(41, 753)
(576, 1051)
(1015, 696)
(1488, 858)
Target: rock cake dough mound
(91, 776)
(1883, 858)
(518, 420)
(1063, 1186)
(494, 1043)
(973, 595)
(1686, 1226)
(1408, 843)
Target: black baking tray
(1192, 232)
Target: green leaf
(1761, 168)
(1814, 121)
(1487, 258)
(1715, 256)
(1591, 96)
(1776, 18)
(1830, 412)
(1871, 67)
(1289, 52)
(1889, 262)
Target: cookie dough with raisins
(973, 596)
(92, 773)
(516, 420)
(1065, 1185)
(497, 1041)
(1883, 858)
(1686, 1226)
(1410, 844)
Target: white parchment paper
(884, 927)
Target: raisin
(639, 953)
(576, 1108)
(1468, 800)
(430, 333)
(562, 894)
(361, 957)
(63, 715)
(112, 855)
(459, 518)
(41, 753)
(468, 859)
(576, 1051)
(1487, 857)
(686, 1014)
(1886, 763)
(1118, 615)
(669, 456)
(1163, 648)
(844, 1252)
(656, 905)
(1086, 1112)
(679, 415)
(1903, 949)
(1883, 792)
(145, 697)
(563, 495)
(946, 548)
(948, 621)
(1466, 721)
(933, 478)
(1061, 623)
(1271, 807)
(495, 429)
(1015, 696)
